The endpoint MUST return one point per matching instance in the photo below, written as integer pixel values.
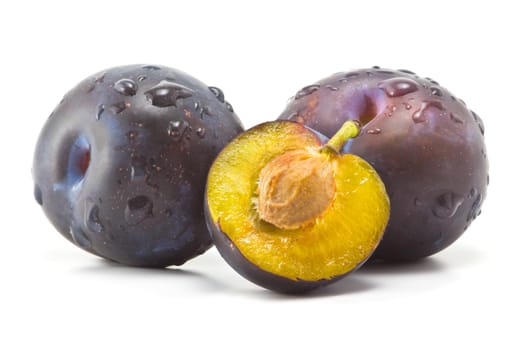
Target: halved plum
(291, 214)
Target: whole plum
(120, 165)
(425, 144)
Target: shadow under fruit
(120, 165)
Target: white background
(54, 295)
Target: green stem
(348, 130)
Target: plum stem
(349, 130)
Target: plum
(290, 213)
(426, 145)
(120, 165)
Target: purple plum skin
(425, 144)
(120, 166)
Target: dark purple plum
(425, 144)
(120, 166)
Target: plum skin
(425, 144)
(120, 165)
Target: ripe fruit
(425, 144)
(291, 214)
(120, 166)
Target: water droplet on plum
(92, 219)
(201, 132)
(307, 90)
(406, 71)
(331, 87)
(126, 87)
(217, 92)
(475, 209)
(436, 91)
(38, 195)
(228, 106)
(167, 93)
(374, 131)
(455, 119)
(177, 128)
(432, 81)
(151, 67)
(79, 237)
(447, 204)
(478, 120)
(141, 78)
(407, 105)
(119, 107)
(100, 110)
(421, 114)
(396, 87)
(138, 209)
(138, 168)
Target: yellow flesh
(341, 238)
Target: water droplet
(166, 93)
(228, 106)
(217, 92)
(91, 217)
(38, 195)
(408, 106)
(447, 204)
(488, 179)
(126, 87)
(151, 67)
(141, 78)
(473, 192)
(396, 87)
(455, 119)
(417, 202)
(376, 67)
(374, 131)
(307, 90)
(119, 107)
(204, 111)
(79, 237)
(432, 81)
(407, 71)
(138, 209)
(475, 209)
(351, 75)
(478, 120)
(177, 128)
(201, 132)
(436, 91)
(421, 114)
(331, 87)
(138, 167)
(132, 135)
(100, 110)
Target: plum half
(120, 166)
(291, 214)
(426, 145)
